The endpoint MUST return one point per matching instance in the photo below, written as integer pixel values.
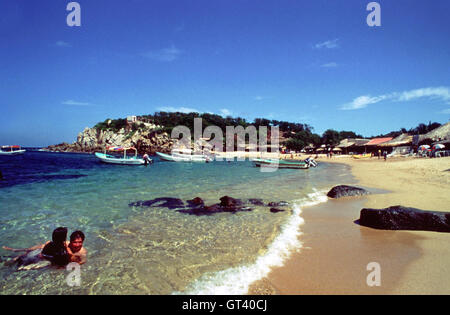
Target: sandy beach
(336, 250)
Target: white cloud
(163, 55)
(436, 92)
(76, 103)
(329, 65)
(440, 93)
(225, 112)
(185, 110)
(362, 101)
(330, 44)
(61, 43)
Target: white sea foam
(237, 280)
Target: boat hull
(280, 164)
(181, 157)
(18, 152)
(105, 158)
(361, 156)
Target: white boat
(183, 156)
(11, 150)
(280, 163)
(125, 160)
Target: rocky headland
(147, 138)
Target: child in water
(57, 252)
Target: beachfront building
(352, 146)
(438, 135)
(374, 145)
(309, 148)
(337, 151)
(398, 146)
(131, 119)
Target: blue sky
(316, 62)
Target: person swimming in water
(57, 252)
(77, 252)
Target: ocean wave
(237, 280)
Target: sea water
(153, 250)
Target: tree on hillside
(348, 134)
(302, 139)
(330, 137)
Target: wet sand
(336, 250)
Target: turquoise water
(141, 250)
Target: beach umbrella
(438, 146)
(424, 147)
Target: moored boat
(11, 150)
(362, 156)
(125, 160)
(182, 156)
(281, 164)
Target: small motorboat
(123, 160)
(362, 156)
(281, 163)
(183, 156)
(11, 150)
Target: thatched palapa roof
(378, 141)
(402, 140)
(346, 143)
(441, 133)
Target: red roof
(378, 141)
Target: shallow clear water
(142, 250)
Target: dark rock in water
(278, 204)
(346, 191)
(404, 218)
(203, 210)
(229, 202)
(256, 202)
(196, 202)
(275, 210)
(195, 206)
(166, 202)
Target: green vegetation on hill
(296, 135)
(112, 124)
(421, 129)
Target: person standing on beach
(385, 155)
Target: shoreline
(336, 251)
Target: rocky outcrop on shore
(92, 140)
(346, 191)
(404, 218)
